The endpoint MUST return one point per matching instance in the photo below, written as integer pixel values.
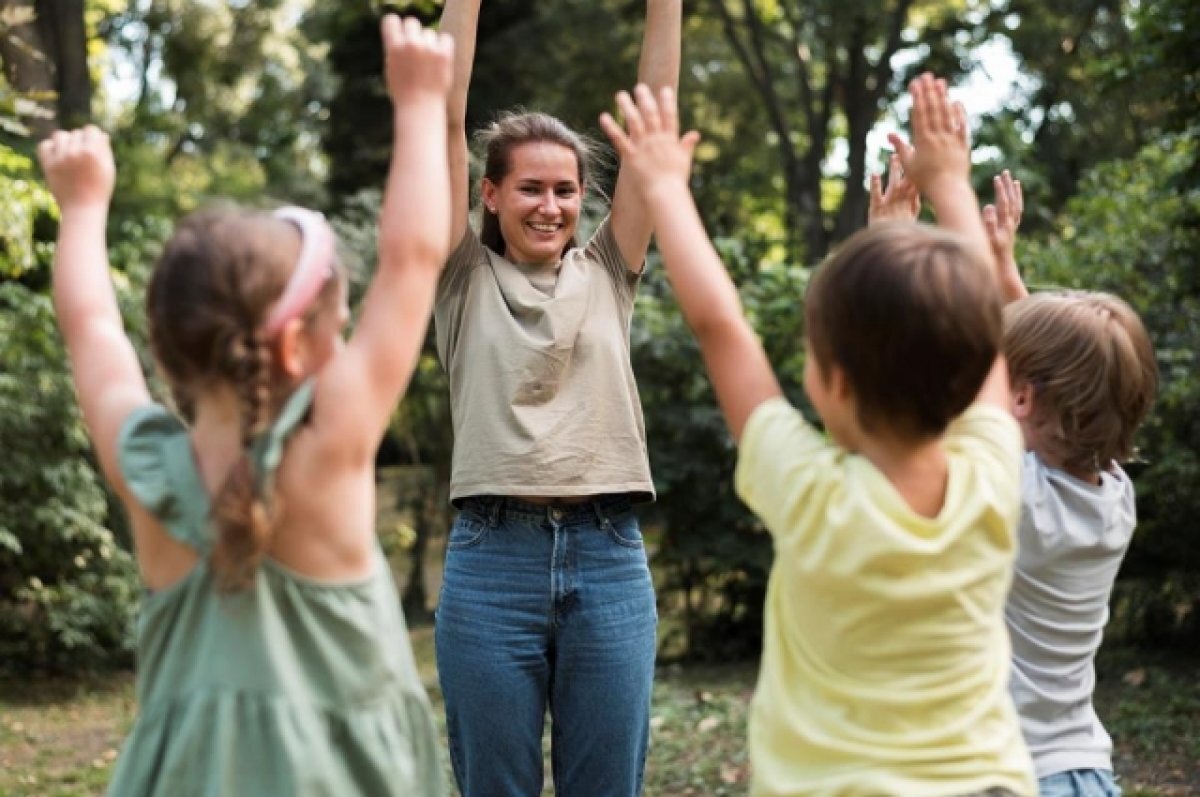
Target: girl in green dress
(273, 657)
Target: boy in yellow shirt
(885, 662)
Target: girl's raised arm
(358, 390)
(658, 68)
(108, 377)
(460, 20)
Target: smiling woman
(533, 186)
(545, 573)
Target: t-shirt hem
(1016, 784)
(1046, 765)
(638, 492)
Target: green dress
(290, 687)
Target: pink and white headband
(314, 266)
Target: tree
(822, 72)
(28, 92)
(231, 101)
(1100, 79)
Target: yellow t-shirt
(885, 657)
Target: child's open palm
(650, 146)
(1002, 218)
(941, 137)
(78, 165)
(1000, 221)
(417, 60)
(899, 200)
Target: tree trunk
(426, 517)
(28, 69)
(64, 33)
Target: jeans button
(556, 513)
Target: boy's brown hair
(1092, 369)
(914, 321)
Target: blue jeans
(1079, 783)
(546, 607)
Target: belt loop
(601, 515)
(497, 503)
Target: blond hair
(1092, 369)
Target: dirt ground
(60, 738)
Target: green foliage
(25, 201)
(283, 100)
(1099, 81)
(713, 556)
(230, 103)
(67, 589)
(1134, 230)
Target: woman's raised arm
(460, 19)
(658, 68)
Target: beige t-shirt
(541, 388)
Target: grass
(60, 738)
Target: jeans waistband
(500, 507)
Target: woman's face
(537, 202)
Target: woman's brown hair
(512, 130)
(208, 295)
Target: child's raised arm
(358, 390)
(108, 377)
(1001, 221)
(898, 201)
(658, 161)
(939, 163)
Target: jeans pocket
(625, 531)
(467, 532)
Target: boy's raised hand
(650, 147)
(898, 201)
(941, 147)
(1000, 221)
(939, 163)
(417, 61)
(79, 168)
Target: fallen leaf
(731, 774)
(1135, 678)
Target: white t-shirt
(1072, 538)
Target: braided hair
(210, 290)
